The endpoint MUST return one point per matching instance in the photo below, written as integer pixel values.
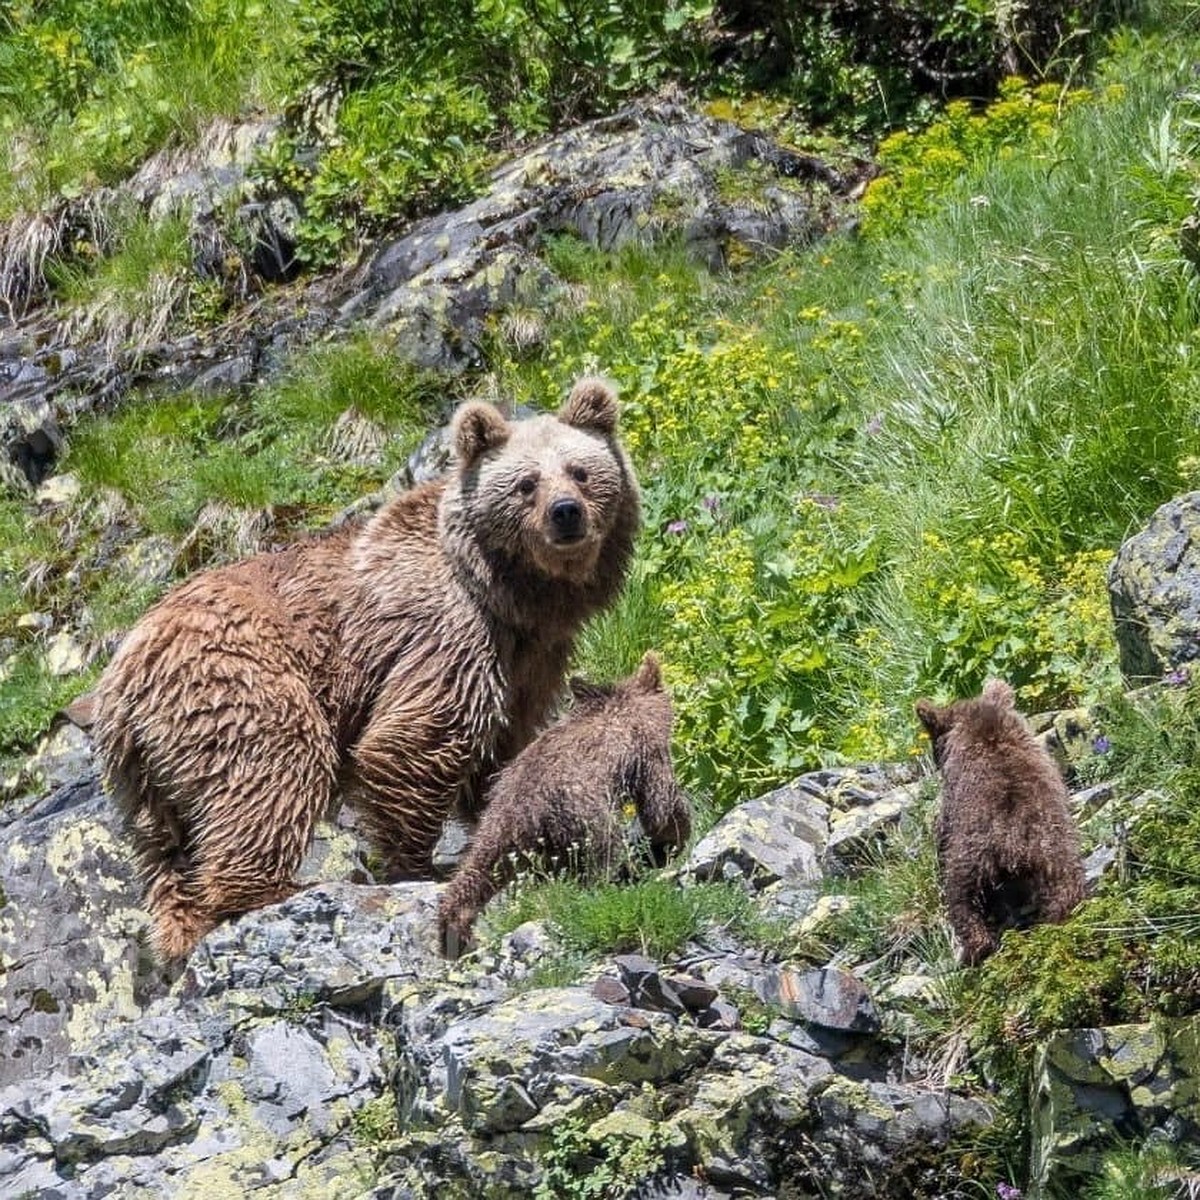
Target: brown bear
(394, 664)
(1007, 846)
(560, 802)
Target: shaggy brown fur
(393, 664)
(560, 801)
(1008, 848)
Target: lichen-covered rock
(887, 1140)
(779, 836)
(1154, 589)
(247, 1075)
(503, 1067)
(1095, 1088)
(749, 1110)
(70, 960)
(858, 830)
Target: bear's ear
(477, 426)
(999, 692)
(592, 404)
(932, 717)
(649, 674)
(584, 689)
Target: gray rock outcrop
(1154, 588)
(652, 170)
(322, 1047)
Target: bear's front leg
(405, 773)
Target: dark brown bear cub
(1007, 846)
(559, 802)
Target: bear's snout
(566, 520)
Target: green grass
(93, 88)
(1154, 1170)
(652, 916)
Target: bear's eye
(527, 486)
(579, 474)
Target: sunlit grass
(95, 89)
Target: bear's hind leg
(254, 832)
(165, 868)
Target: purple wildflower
(1179, 677)
(677, 527)
(823, 500)
(874, 425)
(1101, 744)
(711, 503)
(1006, 1191)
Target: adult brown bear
(392, 664)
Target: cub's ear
(649, 674)
(584, 689)
(592, 404)
(932, 717)
(477, 427)
(999, 692)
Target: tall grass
(93, 88)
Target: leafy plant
(580, 1163)
(920, 169)
(403, 147)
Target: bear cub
(559, 802)
(1007, 845)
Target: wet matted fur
(559, 804)
(1007, 845)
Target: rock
(1069, 735)
(1154, 590)
(58, 489)
(502, 1068)
(451, 846)
(1094, 1089)
(652, 170)
(857, 833)
(825, 909)
(646, 986)
(873, 1136)
(246, 1075)
(829, 997)
(70, 929)
(779, 836)
(61, 758)
(64, 655)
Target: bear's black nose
(567, 518)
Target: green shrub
(403, 147)
(921, 169)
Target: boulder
(1095, 1089)
(1154, 589)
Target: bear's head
(548, 492)
(988, 711)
